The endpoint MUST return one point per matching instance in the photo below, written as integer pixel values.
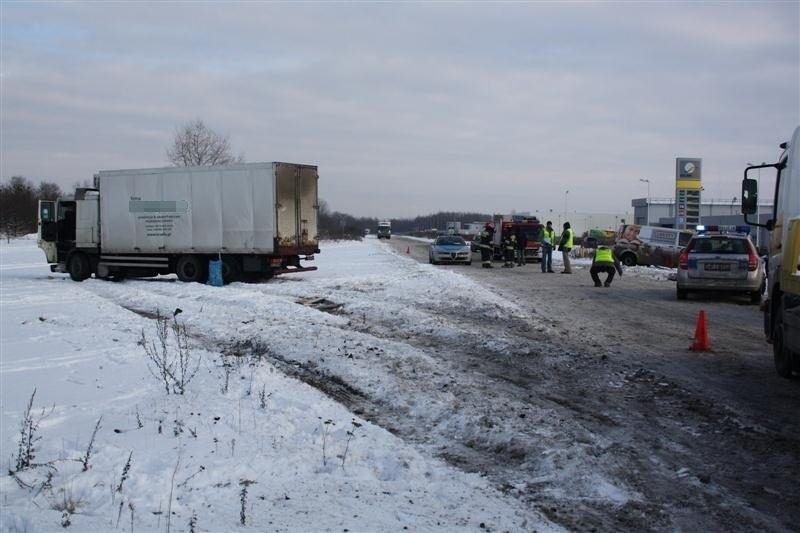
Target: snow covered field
(247, 443)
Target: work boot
(607, 284)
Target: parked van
(650, 245)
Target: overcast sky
(410, 108)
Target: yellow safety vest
(549, 236)
(568, 244)
(603, 255)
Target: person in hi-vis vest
(548, 240)
(564, 246)
(604, 261)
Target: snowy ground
(503, 399)
(192, 456)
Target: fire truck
(528, 227)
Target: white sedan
(450, 249)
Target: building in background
(720, 212)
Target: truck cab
(68, 229)
(781, 305)
(384, 230)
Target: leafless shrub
(88, 455)
(244, 483)
(350, 434)
(327, 427)
(125, 470)
(227, 370)
(119, 512)
(26, 450)
(67, 504)
(263, 397)
(171, 489)
(250, 351)
(185, 481)
(46, 485)
(170, 358)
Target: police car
(723, 261)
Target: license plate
(717, 267)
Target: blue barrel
(215, 273)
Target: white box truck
(259, 218)
(384, 229)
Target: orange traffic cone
(701, 343)
(408, 249)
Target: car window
(719, 245)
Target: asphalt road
(709, 440)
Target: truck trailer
(781, 305)
(260, 219)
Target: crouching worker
(604, 261)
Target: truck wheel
(682, 294)
(629, 260)
(190, 268)
(78, 267)
(782, 356)
(230, 270)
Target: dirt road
(633, 431)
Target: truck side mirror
(749, 196)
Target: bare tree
(48, 190)
(18, 207)
(197, 145)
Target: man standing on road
(509, 249)
(486, 245)
(548, 238)
(604, 261)
(522, 243)
(564, 246)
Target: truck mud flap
(293, 270)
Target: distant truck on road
(781, 305)
(259, 218)
(384, 229)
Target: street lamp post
(647, 207)
(566, 193)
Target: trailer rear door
(296, 205)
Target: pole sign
(688, 185)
